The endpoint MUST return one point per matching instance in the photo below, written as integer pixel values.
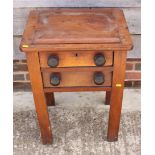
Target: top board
(76, 26)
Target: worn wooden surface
(103, 28)
(76, 3)
(76, 25)
(76, 58)
(44, 30)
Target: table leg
(107, 98)
(39, 97)
(116, 95)
(50, 99)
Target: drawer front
(76, 58)
(76, 78)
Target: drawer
(76, 58)
(76, 78)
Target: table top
(103, 27)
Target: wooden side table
(76, 50)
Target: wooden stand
(76, 50)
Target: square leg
(39, 97)
(116, 95)
(114, 115)
(50, 99)
(107, 98)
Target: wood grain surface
(39, 97)
(76, 58)
(116, 95)
(110, 33)
(76, 78)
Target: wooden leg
(39, 97)
(107, 98)
(50, 99)
(116, 95)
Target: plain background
(6, 77)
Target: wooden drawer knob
(55, 79)
(53, 61)
(99, 60)
(99, 78)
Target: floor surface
(79, 123)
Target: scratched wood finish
(74, 27)
(39, 97)
(76, 78)
(76, 58)
(42, 34)
(116, 95)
